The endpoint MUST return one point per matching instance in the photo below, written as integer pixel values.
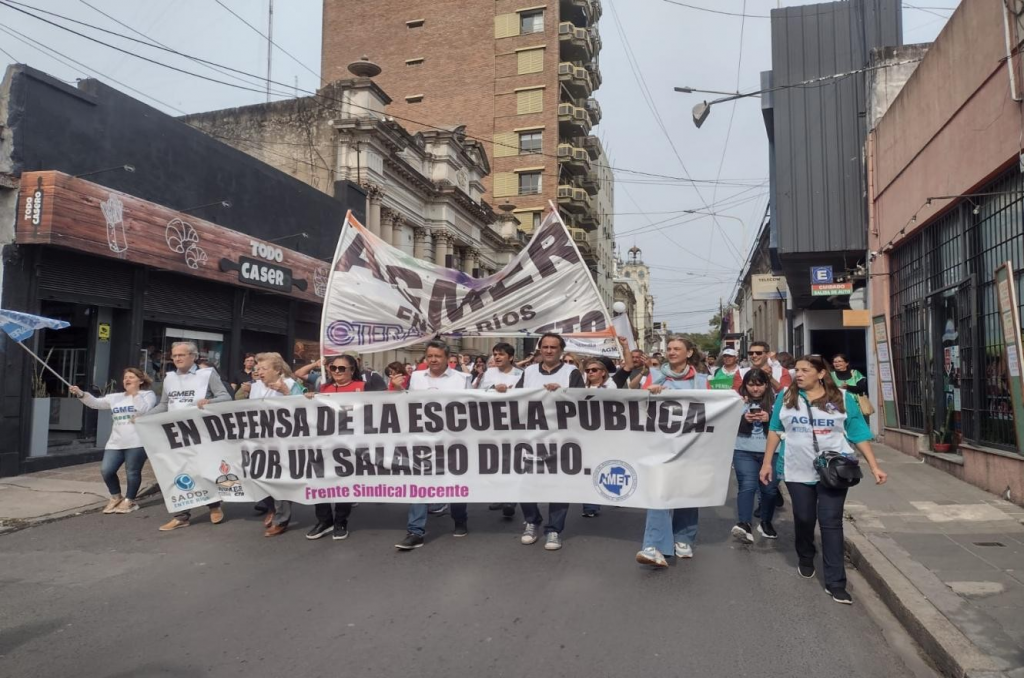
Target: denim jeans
(556, 516)
(748, 467)
(418, 517)
(666, 526)
(596, 508)
(817, 503)
(133, 458)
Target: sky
(650, 46)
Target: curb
(143, 499)
(952, 653)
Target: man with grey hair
(190, 386)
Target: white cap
(730, 351)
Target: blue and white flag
(20, 326)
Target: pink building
(946, 197)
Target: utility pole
(270, 45)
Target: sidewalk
(948, 559)
(48, 495)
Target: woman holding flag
(123, 447)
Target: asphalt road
(108, 596)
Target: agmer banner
(601, 447)
(380, 298)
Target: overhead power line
(12, 4)
(743, 13)
(272, 43)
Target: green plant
(942, 435)
(38, 383)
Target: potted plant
(941, 437)
(40, 435)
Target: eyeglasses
(569, 362)
(755, 352)
(338, 368)
(590, 370)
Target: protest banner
(380, 297)
(600, 447)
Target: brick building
(521, 79)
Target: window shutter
(531, 61)
(530, 101)
(505, 144)
(506, 25)
(506, 184)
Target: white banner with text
(621, 448)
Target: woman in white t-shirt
(123, 447)
(814, 407)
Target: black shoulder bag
(835, 470)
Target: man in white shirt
(189, 386)
(501, 377)
(552, 374)
(437, 377)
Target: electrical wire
(274, 44)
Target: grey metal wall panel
(819, 130)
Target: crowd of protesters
(773, 443)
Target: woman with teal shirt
(673, 531)
(814, 406)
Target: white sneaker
(552, 542)
(683, 550)
(112, 504)
(529, 534)
(651, 556)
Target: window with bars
(946, 339)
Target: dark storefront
(123, 310)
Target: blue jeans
(556, 516)
(596, 508)
(133, 459)
(667, 526)
(418, 517)
(748, 466)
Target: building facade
(143, 232)
(816, 134)
(521, 80)
(762, 299)
(635, 274)
(947, 199)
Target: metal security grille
(265, 312)
(942, 285)
(67, 275)
(175, 297)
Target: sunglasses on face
(594, 369)
(338, 368)
(569, 362)
(755, 352)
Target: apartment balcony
(595, 39)
(573, 121)
(590, 183)
(573, 200)
(594, 109)
(593, 146)
(575, 78)
(594, 68)
(589, 219)
(581, 12)
(580, 237)
(574, 159)
(574, 42)
(596, 10)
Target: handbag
(835, 470)
(866, 408)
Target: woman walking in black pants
(814, 406)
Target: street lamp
(130, 169)
(618, 308)
(702, 110)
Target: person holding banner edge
(188, 386)
(438, 376)
(673, 531)
(500, 377)
(346, 377)
(552, 374)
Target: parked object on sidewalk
(813, 409)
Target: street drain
(989, 543)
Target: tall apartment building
(521, 79)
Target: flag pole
(43, 363)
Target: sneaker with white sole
(113, 504)
(806, 570)
(651, 556)
(127, 506)
(683, 550)
(743, 532)
(839, 595)
(552, 542)
(529, 534)
(767, 530)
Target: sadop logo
(615, 480)
(184, 482)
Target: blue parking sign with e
(821, 275)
